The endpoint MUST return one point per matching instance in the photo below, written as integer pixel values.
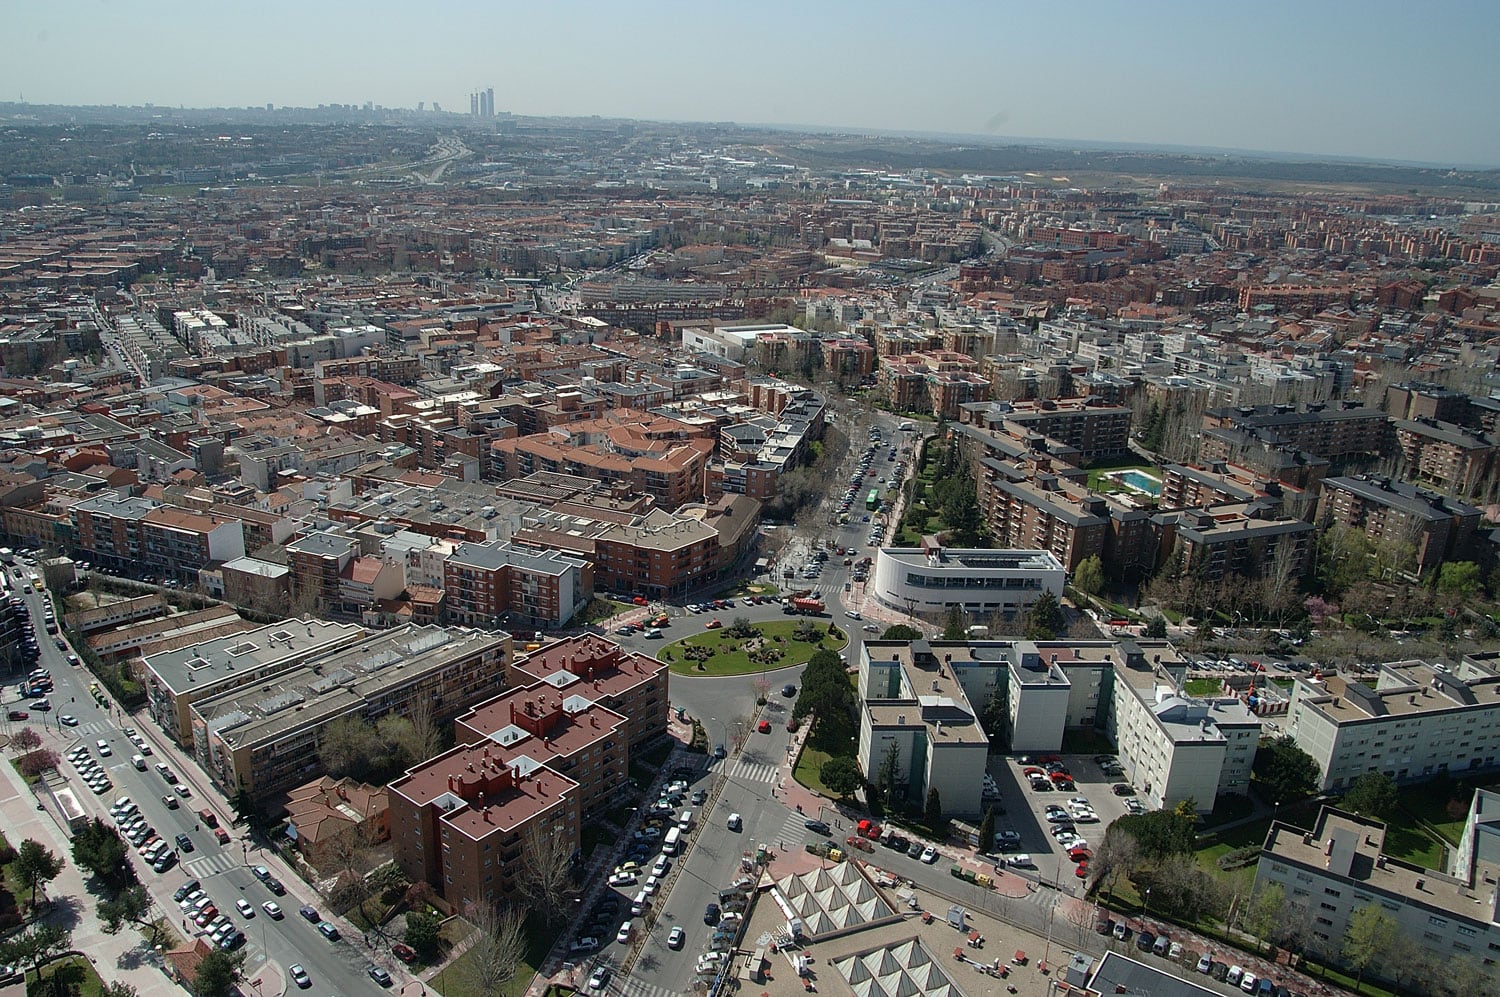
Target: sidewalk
(122, 957)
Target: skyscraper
(474, 104)
(489, 102)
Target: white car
(103, 746)
(929, 855)
(272, 909)
(245, 907)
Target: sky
(1403, 81)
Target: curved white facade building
(930, 579)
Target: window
(1437, 922)
(1330, 891)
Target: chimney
(452, 782)
(512, 712)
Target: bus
(872, 500)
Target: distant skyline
(1378, 79)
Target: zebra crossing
(210, 865)
(631, 987)
(748, 771)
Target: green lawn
(75, 973)
(809, 765)
(457, 978)
(1202, 687)
(729, 659)
(1406, 841)
(1442, 803)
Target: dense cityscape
(609, 556)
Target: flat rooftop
(482, 793)
(201, 665)
(589, 665)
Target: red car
(1082, 872)
(713, 624)
(764, 727)
(404, 952)
(222, 835)
(1081, 855)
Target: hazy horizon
(1335, 79)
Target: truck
(808, 606)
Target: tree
(1156, 628)
(422, 933)
(1285, 771)
(132, 905)
(100, 849)
(1370, 933)
(348, 746)
(901, 631)
(546, 874)
(1045, 620)
(35, 763)
(248, 811)
(118, 989)
(953, 628)
(219, 973)
(36, 945)
(1088, 577)
(996, 716)
(889, 780)
(25, 740)
(1264, 912)
(1118, 854)
(987, 831)
(1373, 794)
(35, 866)
(933, 813)
(1459, 581)
(840, 776)
(1159, 834)
(499, 949)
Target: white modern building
(730, 342)
(1340, 866)
(912, 703)
(983, 583)
(1174, 747)
(1418, 720)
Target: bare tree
(1080, 915)
(546, 876)
(499, 949)
(1118, 854)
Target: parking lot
(1025, 811)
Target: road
(223, 870)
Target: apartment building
(1438, 527)
(175, 543)
(660, 557)
(317, 562)
(596, 668)
(912, 704)
(1173, 746)
(264, 740)
(1445, 455)
(1185, 486)
(175, 679)
(324, 813)
(485, 581)
(1091, 428)
(573, 734)
(1418, 720)
(931, 579)
(1263, 454)
(1034, 511)
(1330, 431)
(470, 823)
(939, 382)
(107, 529)
(1249, 539)
(1340, 866)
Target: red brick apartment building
(1243, 539)
(1328, 431)
(661, 557)
(596, 668)
(1445, 454)
(1440, 528)
(571, 734)
(468, 819)
(1097, 431)
(484, 581)
(317, 562)
(938, 382)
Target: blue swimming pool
(1139, 480)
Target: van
(1233, 979)
(638, 904)
(139, 761)
(672, 842)
(736, 822)
(1248, 982)
(686, 820)
(1162, 946)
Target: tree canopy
(1088, 577)
(901, 631)
(1045, 620)
(1373, 794)
(828, 696)
(840, 776)
(1159, 833)
(1285, 772)
(100, 849)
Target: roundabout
(758, 647)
